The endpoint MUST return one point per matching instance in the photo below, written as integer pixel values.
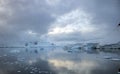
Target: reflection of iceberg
(111, 47)
(115, 59)
(91, 47)
(111, 58)
(38, 44)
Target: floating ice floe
(14, 51)
(107, 57)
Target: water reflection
(55, 61)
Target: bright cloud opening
(75, 21)
(59, 30)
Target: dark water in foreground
(56, 61)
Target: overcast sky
(61, 21)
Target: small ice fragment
(18, 71)
(5, 55)
(107, 57)
(31, 72)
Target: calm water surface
(56, 61)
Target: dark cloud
(23, 16)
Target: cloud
(17, 17)
(76, 26)
(91, 21)
(52, 2)
(75, 20)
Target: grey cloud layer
(19, 16)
